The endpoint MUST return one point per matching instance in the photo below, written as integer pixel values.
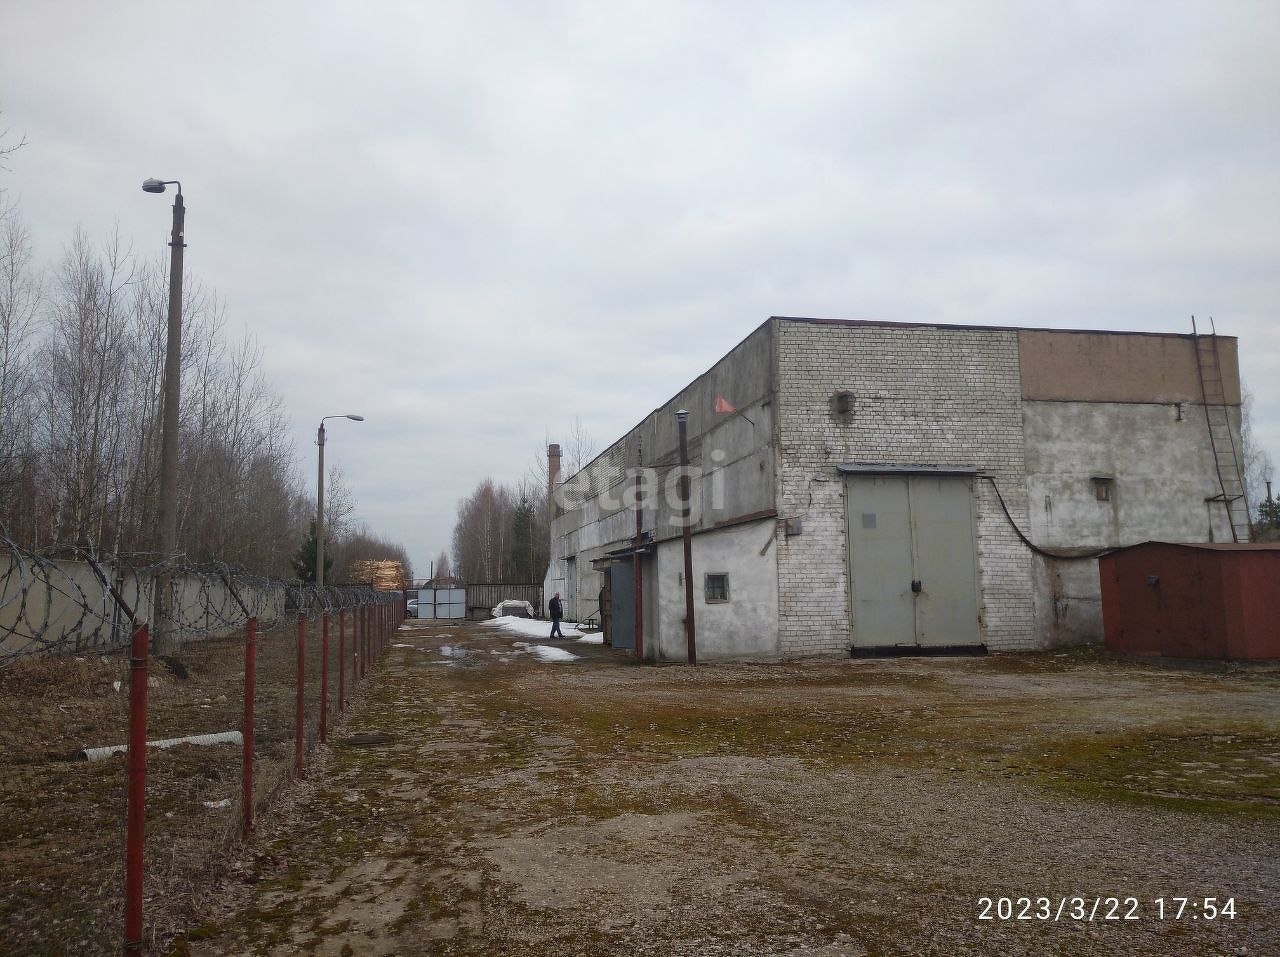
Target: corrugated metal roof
(1209, 546)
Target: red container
(1192, 601)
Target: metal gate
(442, 603)
(912, 561)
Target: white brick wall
(923, 396)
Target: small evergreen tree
(304, 560)
(1269, 513)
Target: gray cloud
(476, 222)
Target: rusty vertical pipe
(682, 417)
(342, 659)
(637, 578)
(136, 814)
(324, 676)
(299, 732)
(250, 678)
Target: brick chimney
(553, 468)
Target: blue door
(622, 586)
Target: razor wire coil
(60, 601)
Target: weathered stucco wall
(744, 625)
(1161, 470)
(921, 395)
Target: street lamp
(167, 522)
(320, 495)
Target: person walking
(556, 607)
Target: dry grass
(62, 819)
(825, 808)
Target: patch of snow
(218, 805)
(592, 638)
(549, 653)
(401, 644)
(532, 627)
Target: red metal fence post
(364, 639)
(299, 733)
(342, 659)
(250, 674)
(324, 676)
(136, 814)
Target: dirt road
(486, 802)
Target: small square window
(1101, 488)
(717, 587)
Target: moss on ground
(1224, 772)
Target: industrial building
(866, 486)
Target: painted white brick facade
(921, 395)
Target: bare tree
(81, 369)
(21, 296)
(1258, 467)
(8, 150)
(482, 533)
(83, 361)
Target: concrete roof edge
(885, 323)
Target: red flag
(723, 405)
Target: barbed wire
(60, 600)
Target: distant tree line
(503, 530)
(81, 362)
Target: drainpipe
(682, 417)
(638, 581)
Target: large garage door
(912, 566)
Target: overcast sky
(475, 222)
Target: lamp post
(320, 495)
(167, 521)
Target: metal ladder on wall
(1222, 440)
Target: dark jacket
(556, 607)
